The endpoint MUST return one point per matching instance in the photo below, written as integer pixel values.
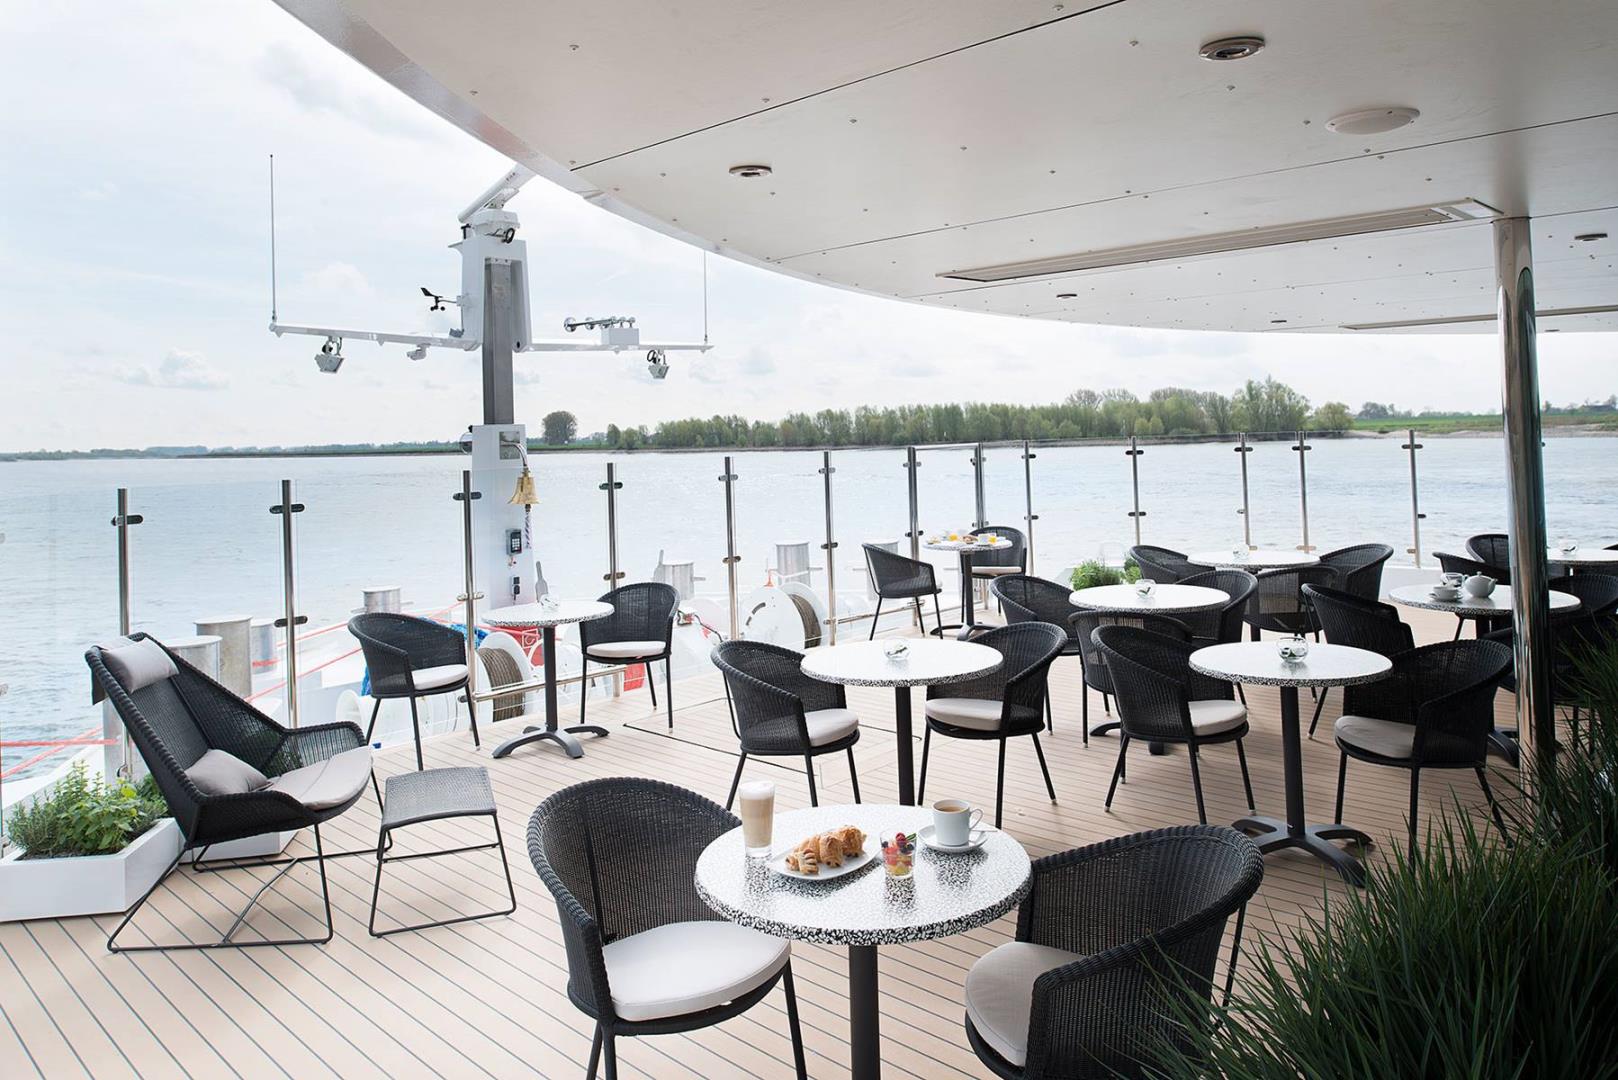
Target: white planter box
(86, 884)
(254, 847)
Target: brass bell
(525, 494)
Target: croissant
(852, 840)
(804, 861)
(830, 848)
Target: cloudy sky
(135, 270)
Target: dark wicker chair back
(898, 577)
(1033, 599)
(641, 611)
(1221, 624)
(1026, 650)
(770, 694)
(1162, 564)
(1084, 624)
(1278, 604)
(1460, 564)
(1147, 913)
(1447, 690)
(620, 856)
(1351, 620)
(1154, 683)
(1491, 548)
(394, 645)
(1359, 568)
(1015, 555)
(1597, 593)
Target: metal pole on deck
(1134, 452)
(1302, 447)
(1415, 501)
(466, 496)
(911, 465)
(830, 548)
(731, 558)
(611, 488)
(289, 595)
(1029, 517)
(978, 503)
(1242, 450)
(1525, 470)
(122, 520)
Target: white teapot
(1479, 585)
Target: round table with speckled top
(945, 894)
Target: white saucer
(978, 836)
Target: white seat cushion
(829, 725)
(995, 571)
(626, 650)
(979, 714)
(1216, 715)
(431, 678)
(328, 783)
(687, 967)
(1387, 738)
(1000, 993)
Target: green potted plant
(1094, 572)
(85, 846)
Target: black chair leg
(1342, 777)
(1050, 788)
(1320, 703)
(877, 617)
(651, 682)
(1084, 707)
(415, 722)
(1106, 702)
(938, 616)
(472, 712)
(809, 767)
(609, 1047)
(736, 781)
(1000, 784)
(1247, 782)
(1241, 695)
(1050, 724)
(1117, 770)
(371, 728)
(792, 1022)
(926, 745)
(595, 1055)
(1494, 807)
(1415, 784)
(853, 775)
(668, 688)
(1196, 784)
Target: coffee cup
(953, 822)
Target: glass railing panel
(1359, 493)
(1004, 502)
(780, 527)
(569, 525)
(1463, 490)
(872, 506)
(671, 527)
(1082, 495)
(1581, 473)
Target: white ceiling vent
(1220, 243)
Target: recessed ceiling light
(1372, 121)
(750, 172)
(1067, 296)
(1232, 48)
(1277, 320)
(1590, 237)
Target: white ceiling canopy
(1077, 161)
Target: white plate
(778, 863)
(978, 836)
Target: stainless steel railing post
(1134, 452)
(830, 548)
(121, 521)
(289, 594)
(466, 496)
(1029, 517)
(731, 558)
(914, 535)
(1415, 500)
(979, 504)
(1242, 450)
(1303, 448)
(611, 487)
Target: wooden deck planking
(489, 998)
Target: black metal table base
(906, 754)
(552, 732)
(864, 1015)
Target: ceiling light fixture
(1239, 47)
(1221, 243)
(1590, 237)
(1067, 296)
(751, 172)
(1372, 121)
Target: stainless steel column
(289, 595)
(1415, 501)
(977, 488)
(1525, 471)
(1302, 447)
(611, 488)
(466, 496)
(830, 548)
(1134, 452)
(1029, 517)
(911, 465)
(1242, 450)
(731, 558)
(499, 400)
(121, 521)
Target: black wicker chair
(1083, 625)
(1104, 933)
(1434, 711)
(1592, 624)
(314, 774)
(411, 658)
(1460, 564)
(1491, 548)
(1278, 604)
(1347, 619)
(640, 630)
(645, 955)
(898, 577)
(1359, 568)
(1001, 705)
(1024, 598)
(1597, 593)
(1217, 626)
(1001, 562)
(778, 711)
(1161, 564)
(1162, 700)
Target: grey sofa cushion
(220, 773)
(137, 663)
(328, 783)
